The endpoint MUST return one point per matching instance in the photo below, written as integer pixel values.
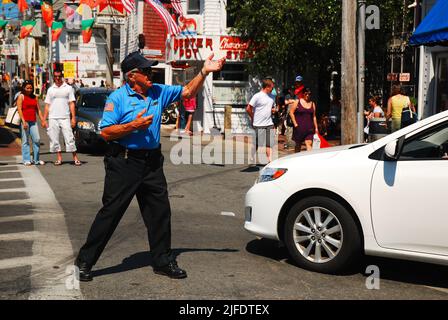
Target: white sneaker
(40, 163)
(27, 163)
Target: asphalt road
(223, 261)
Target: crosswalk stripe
(18, 201)
(34, 216)
(21, 261)
(7, 171)
(10, 180)
(27, 235)
(12, 190)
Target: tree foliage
(296, 34)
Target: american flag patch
(109, 107)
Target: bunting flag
(171, 25)
(22, 5)
(69, 13)
(27, 28)
(177, 7)
(86, 26)
(100, 2)
(47, 12)
(116, 4)
(3, 24)
(56, 30)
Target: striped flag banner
(177, 7)
(129, 5)
(171, 25)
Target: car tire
(315, 249)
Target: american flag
(177, 7)
(171, 25)
(129, 5)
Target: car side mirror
(393, 149)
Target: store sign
(69, 70)
(199, 48)
(405, 77)
(392, 77)
(10, 50)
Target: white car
(386, 198)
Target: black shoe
(85, 271)
(171, 270)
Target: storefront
(230, 86)
(432, 37)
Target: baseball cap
(135, 60)
(299, 78)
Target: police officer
(134, 162)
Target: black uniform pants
(129, 174)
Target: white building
(433, 66)
(205, 29)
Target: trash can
(378, 128)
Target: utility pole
(348, 72)
(361, 67)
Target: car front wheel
(321, 235)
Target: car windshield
(95, 100)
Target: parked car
(89, 111)
(386, 198)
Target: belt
(117, 149)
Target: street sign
(10, 49)
(109, 20)
(392, 77)
(405, 77)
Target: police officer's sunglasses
(145, 71)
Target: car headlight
(99, 125)
(270, 174)
(86, 125)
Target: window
(194, 6)
(442, 84)
(232, 72)
(232, 10)
(431, 144)
(94, 100)
(73, 41)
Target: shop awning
(433, 30)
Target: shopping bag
(316, 141)
(12, 117)
(323, 142)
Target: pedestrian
(28, 107)
(190, 108)
(395, 105)
(59, 106)
(134, 162)
(3, 98)
(102, 85)
(374, 112)
(303, 115)
(81, 84)
(289, 100)
(93, 83)
(299, 87)
(260, 109)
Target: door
(409, 197)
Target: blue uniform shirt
(124, 104)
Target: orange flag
(22, 5)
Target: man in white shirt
(59, 105)
(260, 109)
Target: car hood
(313, 155)
(93, 115)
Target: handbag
(316, 141)
(13, 117)
(408, 117)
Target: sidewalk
(241, 139)
(10, 143)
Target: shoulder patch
(109, 107)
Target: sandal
(57, 162)
(78, 163)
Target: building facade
(205, 28)
(433, 75)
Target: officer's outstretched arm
(120, 130)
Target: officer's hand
(142, 123)
(73, 123)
